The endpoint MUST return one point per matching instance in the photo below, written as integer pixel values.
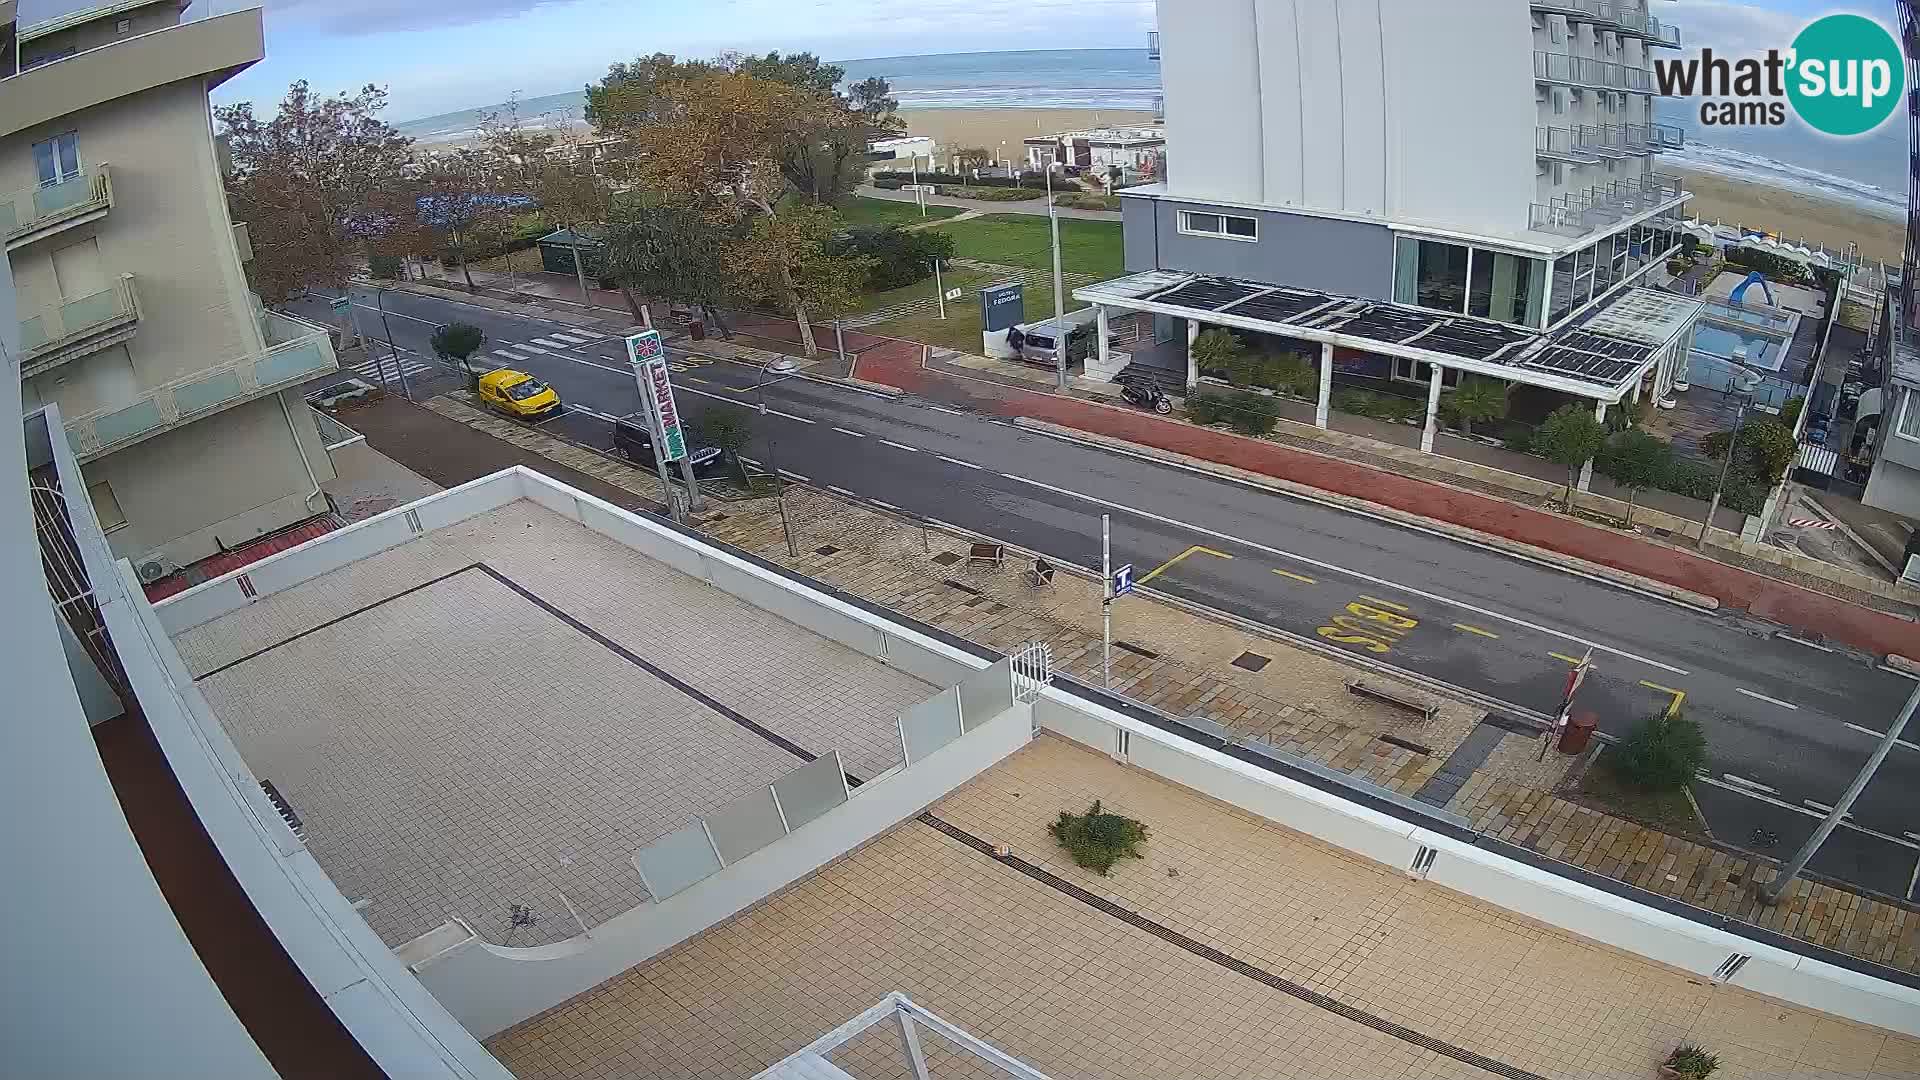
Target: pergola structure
(1606, 357)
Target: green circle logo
(1847, 75)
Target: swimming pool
(1764, 351)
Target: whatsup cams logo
(1843, 75)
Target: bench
(990, 554)
(1395, 698)
(1041, 576)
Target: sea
(1868, 172)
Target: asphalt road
(1788, 724)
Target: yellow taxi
(517, 393)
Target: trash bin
(1578, 733)
(697, 330)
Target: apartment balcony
(1580, 213)
(1667, 137)
(1662, 34)
(1159, 108)
(1613, 15)
(1153, 44)
(1604, 141)
(77, 327)
(1580, 71)
(50, 209)
(305, 352)
(1562, 145)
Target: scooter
(1147, 395)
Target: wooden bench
(991, 554)
(1395, 698)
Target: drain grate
(946, 558)
(1136, 650)
(828, 549)
(1252, 661)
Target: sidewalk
(1183, 663)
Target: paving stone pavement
(1299, 702)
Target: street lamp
(1059, 289)
(779, 368)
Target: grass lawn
(861, 210)
(1668, 811)
(1086, 247)
(961, 328)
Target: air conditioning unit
(153, 570)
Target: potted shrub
(1689, 1062)
(1097, 839)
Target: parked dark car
(633, 441)
(1817, 430)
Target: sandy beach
(953, 129)
(1794, 216)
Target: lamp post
(1059, 289)
(1743, 384)
(779, 368)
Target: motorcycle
(1147, 395)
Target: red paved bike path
(898, 364)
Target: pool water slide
(1740, 290)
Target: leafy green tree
(1790, 412)
(1761, 454)
(1636, 460)
(728, 429)
(676, 254)
(1477, 401)
(1217, 350)
(1662, 754)
(456, 343)
(1570, 438)
(825, 164)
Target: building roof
(1102, 137)
(566, 237)
(1600, 358)
(95, 13)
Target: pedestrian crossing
(382, 369)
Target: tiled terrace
(488, 717)
(1256, 951)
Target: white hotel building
(1341, 171)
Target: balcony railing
(1578, 213)
(78, 326)
(1627, 18)
(38, 212)
(1153, 44)
(201, 394)
(1667, 136)
(1561, 144)
(1603, 140)
(1662, 33)
(1159, 108)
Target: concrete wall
(491, 988)
(1407, 110)
(92, 35)
(223, 480)
(1892, 486)
(1487, 875)
(1335, 255)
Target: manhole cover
(829, 549)
(1252, 661)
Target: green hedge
(993, 194)
(1391, 407)
(1247, 413)
(1775, 267)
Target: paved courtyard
(502, 712)
(1235, 948)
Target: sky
(437, 56)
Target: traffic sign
(955, 294)
(341, 304)
(1122, 582)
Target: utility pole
(913, 162)
(1106, 602)
(840, 340)
(1059, 289)
(939, 289)
(659, 437)
(1769, 893)
(1713, 507)
(380, 297)
(579, 272)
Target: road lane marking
(1475, 630)
(1422, 593)
(1882, 735)
(1574, 660)
(590, 412)
(1761, 796)
(717, 397)
(1384, 603)
(1765, 698)
(1804, 641)
(1297, 577)
(1374, 629)
(552, 344)
(949, 412)
(1825, 808)
(509, 354)
(957, 461)
(855, 434)
(1169, 564)
(901, 446)
(1753, 785)
(1678, 695)
(697, 379)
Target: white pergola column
(1586, 471)
(1193, 369)
(1434, 372)
(1325, 404)
(1100, 327)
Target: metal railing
(1603, 140)
(1571, 70)
(1627, 17)
(23, 212)
(1667, 136)
(1153, 44)
(1578, 213)
(1662, 33)
(60, 325)
(202, 393)
(1562, 143)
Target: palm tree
(1479, 401)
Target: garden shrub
(1518, 438)
(384, 267)
(901, 256)
(1208, 405)
(1662, 754)
(1253, 414)
(1097, 839)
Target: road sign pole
(939, 289)
(1769, 893)
(659, 439)
(1059, 287)
(1106, 602)
(380, 297)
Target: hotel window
(1410, 370)
(1506, 288)
(1909, 417)
(57, 159)
(1430, 274)
(105, 506)
(1229, 226)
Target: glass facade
(1474, 281)
(1579, 276)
